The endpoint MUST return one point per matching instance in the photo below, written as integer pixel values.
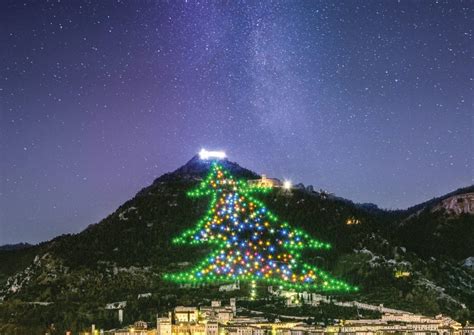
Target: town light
(204, 154)
(287, 184)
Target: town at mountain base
(414, 260)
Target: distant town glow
(204, 154)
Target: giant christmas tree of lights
(249, 242)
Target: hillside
(69, 280)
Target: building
(186, 314)
(194, 321)
(164, 325)
(266, 182)
(211, 327)
(217, 319)
(404, 322)
(467, 330)
(216, 311)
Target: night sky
(370, 100)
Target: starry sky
(371, 100)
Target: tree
(249, 242)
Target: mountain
(17, 246)
(197, 168)
(412, 260)
(439, 200)
(440, 227)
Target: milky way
(369, 100)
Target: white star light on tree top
(204, 154)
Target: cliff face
(458, 204)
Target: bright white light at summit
(204, 154)
(287, 184)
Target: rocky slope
(458, 204)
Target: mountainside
(17, 246)
(412, 260)
(465, 191)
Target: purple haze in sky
(369, 100)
